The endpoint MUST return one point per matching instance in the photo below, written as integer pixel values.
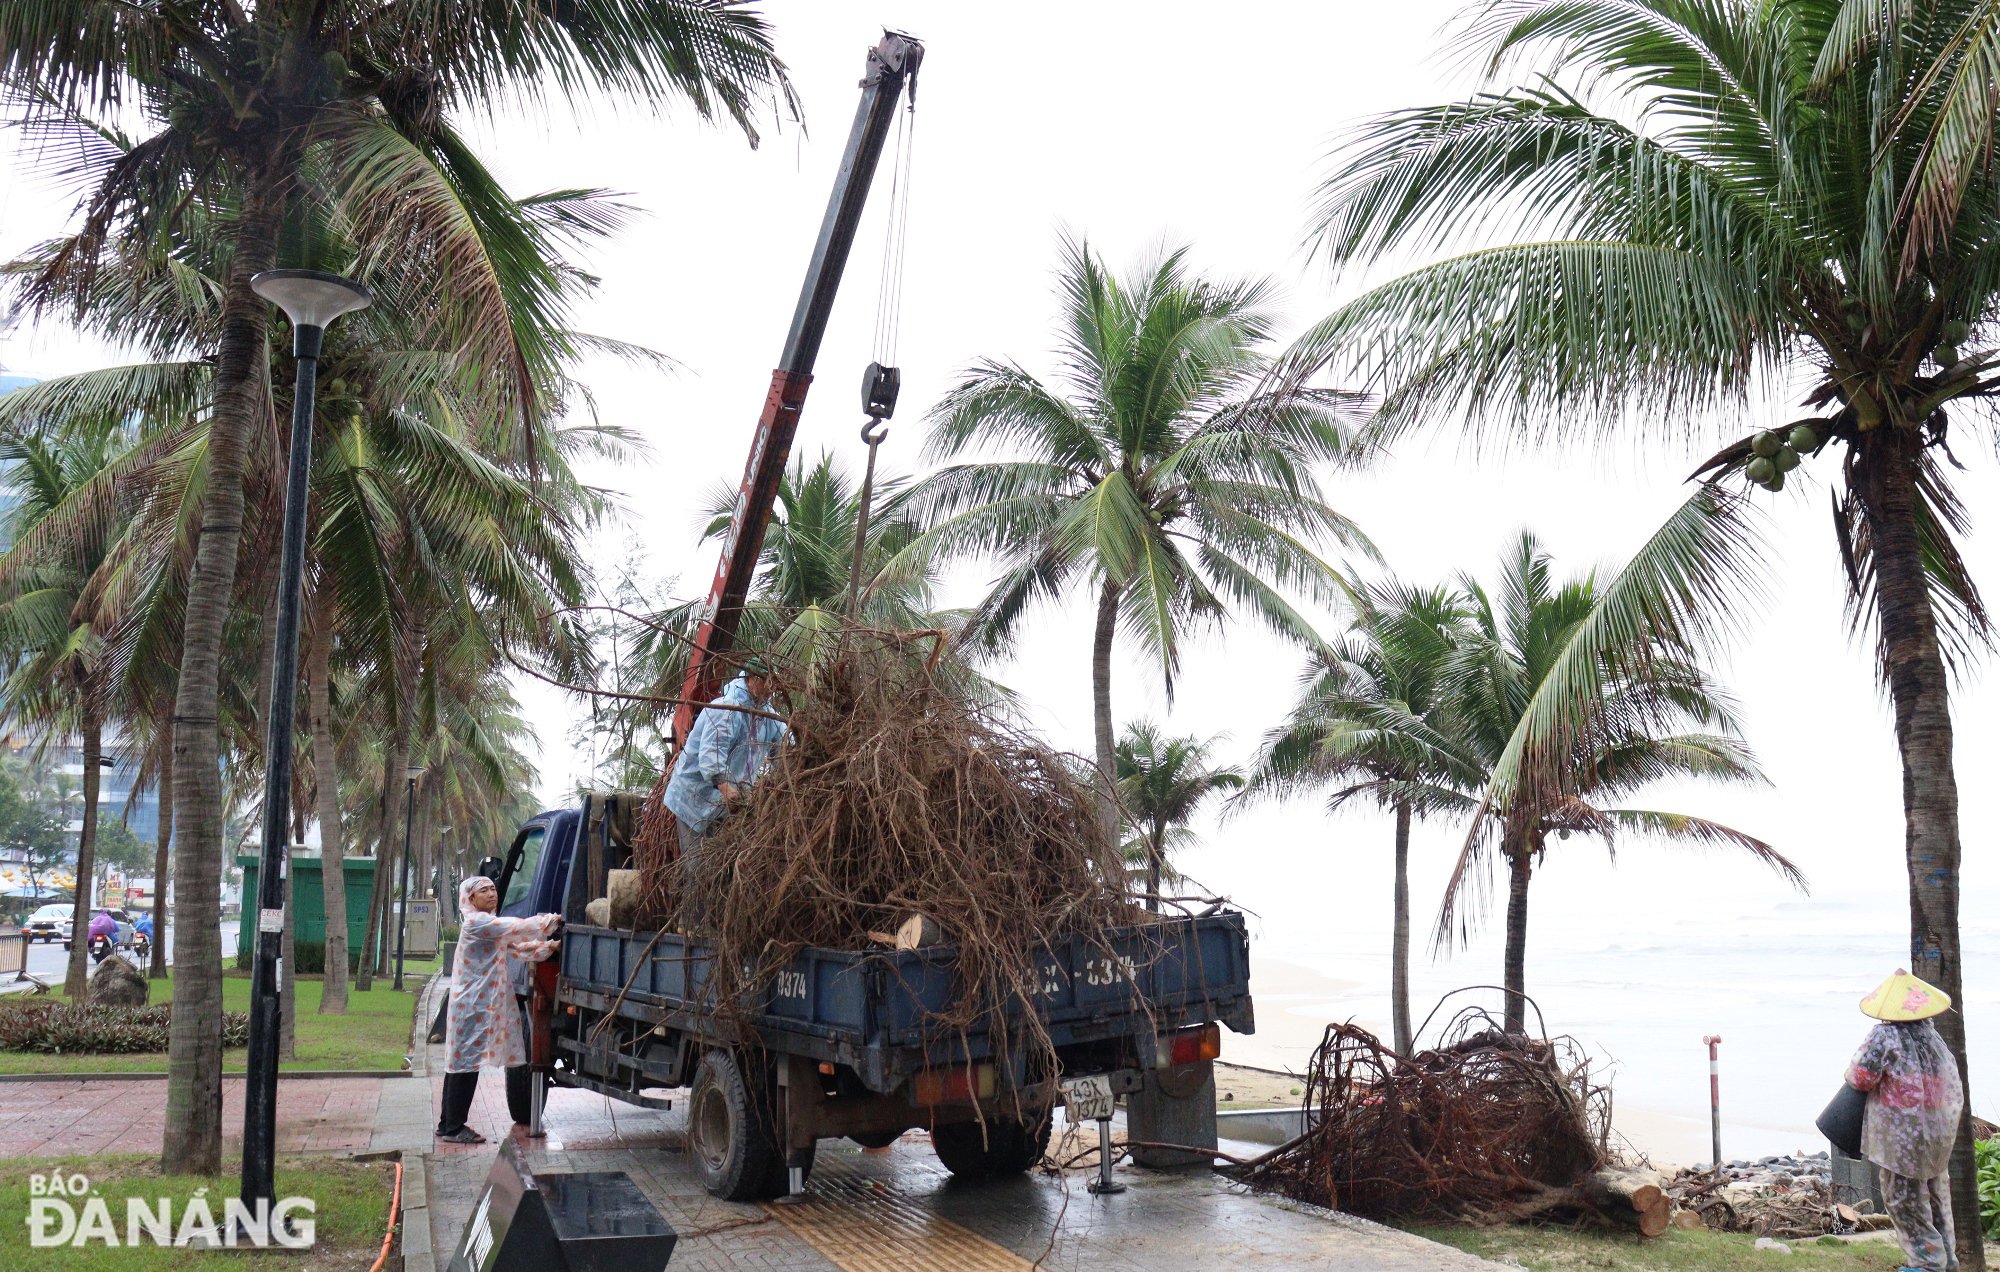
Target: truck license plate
(1088, 1097)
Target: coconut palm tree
(401, 466)
(51, 643)
(1371, 723)
(245, 104)
(1160, 476)
(1653, 715)
(1691, 208)
(1162, 784)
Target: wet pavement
(898, 1208)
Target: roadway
(49, 961)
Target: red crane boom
(892, 65)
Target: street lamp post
(311, 300)
(411, 775)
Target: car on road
(50, 923)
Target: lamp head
(310, 298)
(414, 772)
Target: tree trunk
(1100, 701)
(193, 1142)
(1399, 950)
(1156, 853)
(162, 862)
(389, 846)
(420, 862)
(319, 721)
(1520, 864)
(371, 927)
(1919, 690)
(76, 983)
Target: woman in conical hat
(1915, 1097)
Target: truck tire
(1001, 1147)
(521, 1092)
(731, 1133)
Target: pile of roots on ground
(899, 805)
(1488, 1127)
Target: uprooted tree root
(1490, 1127)
(896, 798)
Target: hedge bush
(62, 1028)
(310, 958)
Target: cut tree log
(1629, 1199)
(1634, 1190)
(1650, 1222)
(622, 889)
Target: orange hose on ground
(395, 1212)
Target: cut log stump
(1628, 1199)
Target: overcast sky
(1133, 124)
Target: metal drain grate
(862, 1225)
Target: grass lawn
(1552, 1249)
(374, 1034)
(350, 1211)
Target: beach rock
(1775, 1247)
(116, 983)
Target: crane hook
(872, 433)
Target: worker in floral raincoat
(725, 752)
(483, 1025)
(1914, 1101)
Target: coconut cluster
(1773, 454)
(1950, 337)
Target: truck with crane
(836, 1043)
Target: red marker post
(1715, 1102)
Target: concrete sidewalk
(60, 1116)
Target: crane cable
(889, 289)
(888, 329)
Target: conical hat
(1904, 997)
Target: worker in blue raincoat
(725, 752)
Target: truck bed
(874, 1010)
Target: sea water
(1637, 962)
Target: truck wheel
(731, 1132)
(1002, 1147)
(521, 1092)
